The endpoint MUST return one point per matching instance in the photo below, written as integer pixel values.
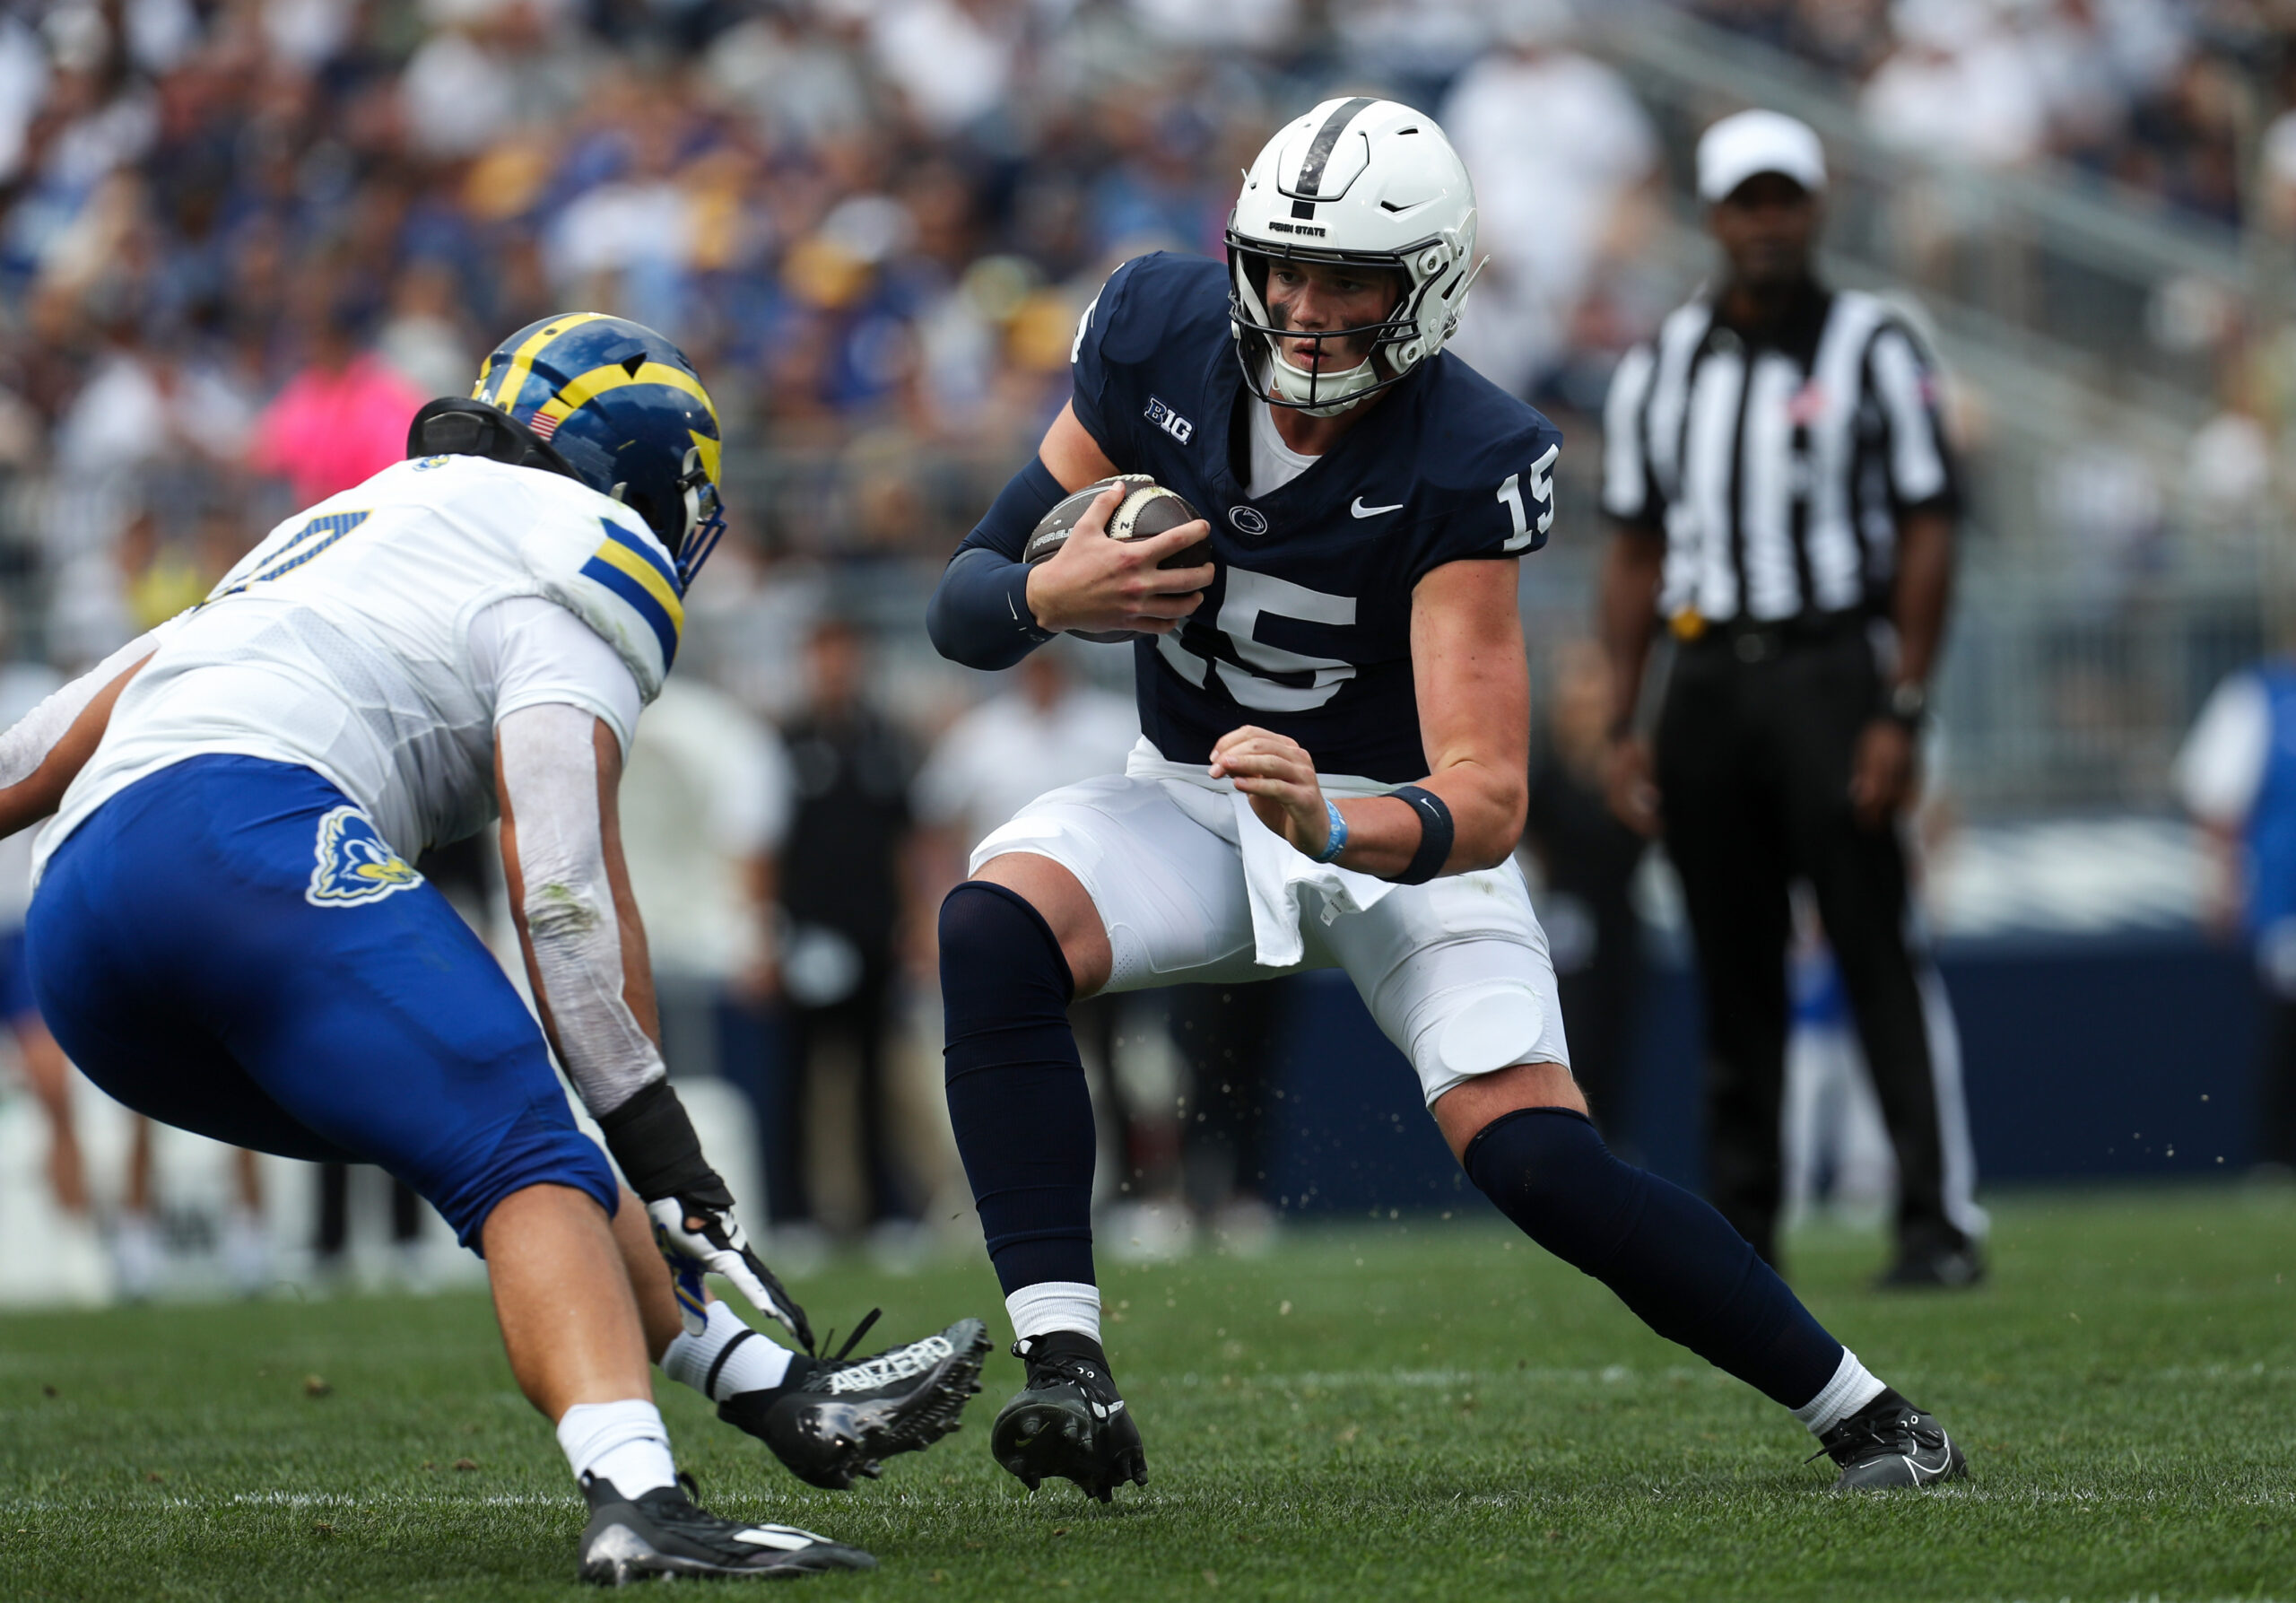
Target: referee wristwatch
(1907, 702)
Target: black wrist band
(1434, 835)
(1907, 702)
(653, 1142)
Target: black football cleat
(845, 1418)
(1068, 1421)
(662, 1533)
(1891, 1445)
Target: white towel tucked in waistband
(1277, 875)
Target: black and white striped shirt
(1776, 466)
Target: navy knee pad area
(1017, 1097)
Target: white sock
(1850, 1390)
(1052, 1306)
(742, 1359)
(623, 1442)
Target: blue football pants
(183, 955)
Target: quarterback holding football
(1334, 709)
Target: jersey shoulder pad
(1150, 308)
(1487, 459)
(1471, 426)
(598, 560)
(1153, 299)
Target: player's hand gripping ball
(1146, 510)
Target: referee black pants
(1754, 757)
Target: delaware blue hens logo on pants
(197, 970)
(356, 865)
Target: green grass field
(1391, 1410)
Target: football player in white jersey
(227, 934)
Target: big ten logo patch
(1169, 421)
(355, 865)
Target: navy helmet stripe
(656, 619)
(1311, 170)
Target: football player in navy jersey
(1336, 727)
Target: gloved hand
(719, 1246)
(692, 1209)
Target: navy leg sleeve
(1670, 1257)
(1017, 1097)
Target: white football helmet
(1361, 183)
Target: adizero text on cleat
(663, 1533)
(1888, 1444)
(1068, 1421)
(847, 1417)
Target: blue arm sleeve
(980, 612)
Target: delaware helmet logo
(355, 864)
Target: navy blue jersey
(1307, 627)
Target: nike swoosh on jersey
(1361, 510)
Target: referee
(1783, 499)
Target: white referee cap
(1750, 142)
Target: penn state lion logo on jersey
(356, 865)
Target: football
(1147, 510)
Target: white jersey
(23, 685)
(377, 638)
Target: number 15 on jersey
(1541, 488)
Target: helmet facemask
(1391, 347)
(692, 525)
(705, 518)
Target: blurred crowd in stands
(241, 239)
(2155, 95)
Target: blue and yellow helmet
(620, 409)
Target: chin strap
(1279, 393)
(1278, 369)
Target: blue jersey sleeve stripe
(638, 548)
(641, 600)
